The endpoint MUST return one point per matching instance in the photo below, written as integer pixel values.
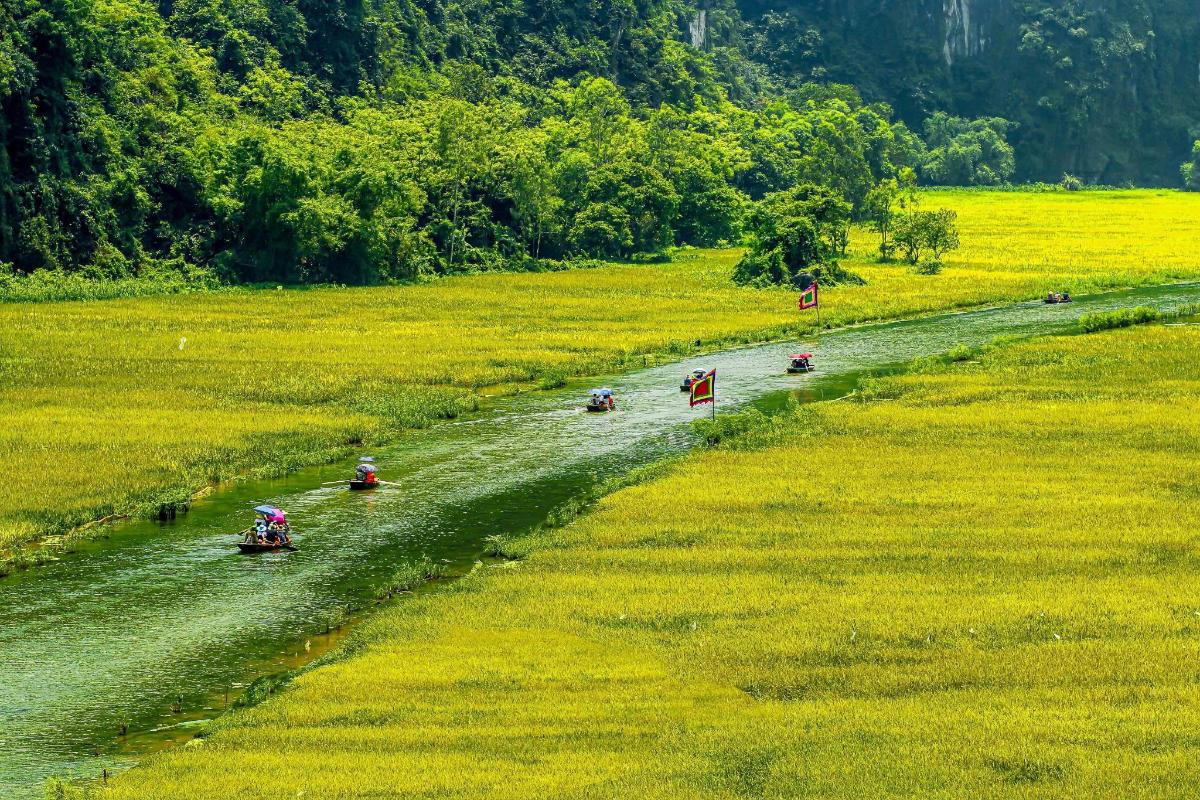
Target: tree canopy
(373, 140)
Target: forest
(365, 141)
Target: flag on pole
(704, 390)
(809, 297)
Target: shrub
(922, 233)
(797, 231)
(1071, 183)
(1121, 318)
(1191, 170)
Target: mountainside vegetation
(361, 141)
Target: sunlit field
(980, 580)
(114, 407)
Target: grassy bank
(978, 580)
(116, 407)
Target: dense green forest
(367, 140)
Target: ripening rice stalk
(986, 586)
(140, 398)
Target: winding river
(152, 629)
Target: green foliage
(359, 142)
(797, 231)
(967, 152)
(1121, 318)
(1191, 170)
(1099, 90)
(922, 234)
(888, 198)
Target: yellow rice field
(980, 580)
(114, 407)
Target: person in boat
(1066, 297)
(365, 472)
(612, 403)
(260, 529)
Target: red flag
(704, 390)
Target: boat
(691, 378)
(1054, 298)
(799, 363)
(364, 475)
(271, 532)
(255, 547)
(601, 401)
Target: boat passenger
(260, 529)
(612, 404)
(1066, 297)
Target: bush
(1121, 318)
(1191, 170)
(926, 233)
(929, 266)
(1070, 183)
(797, 231)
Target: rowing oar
(333, 483)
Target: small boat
(1054, 298)
(271, 532)
(601, 401)
(802, 362)
(691, 378)
(364, 475)
(255, 547)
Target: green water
(169, 614)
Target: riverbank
(978, 578)
(124, 407)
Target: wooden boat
(1054, 298)
(801, 362)
(254, 547)
(362, 486)
(691, 378)
(600, 401)
(250, 542)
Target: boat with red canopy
(801, 362)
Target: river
(151, 627)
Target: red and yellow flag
(705, 390)
(809, 297)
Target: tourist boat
(364, 475)
(270, 520)
(690, 379)
(601, 401)
(799, 363)
(255, 547)
(1055, 298)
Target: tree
(966, 152)
(921, 233)
(1191, 170)
(797, 231)
(885, 200)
